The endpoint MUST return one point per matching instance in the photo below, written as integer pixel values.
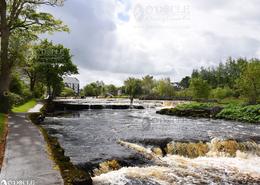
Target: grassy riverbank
(230, 111)
(2, 123)
(3, 133)
(70, 173)
(25, 107)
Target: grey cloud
(96, 47)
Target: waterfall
(215, 162)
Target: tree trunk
(5, 65)
(32, 84)
(132, 100)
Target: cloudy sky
(113, 39)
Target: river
(128, 136)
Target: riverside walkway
(26, 158)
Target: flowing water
(132, 147)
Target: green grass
(195, 105)
(25, 107)
(2, 119)
(234, 110)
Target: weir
(66, 106)
(213, 165)
(136, 147)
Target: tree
(133, 87)
(164, 88)
(53, 62)
(185, 82)
(111, 89)
(199, 88)
(90, 90)
(21, 16)
(95, 89)
(148, 84)
(249, 81)
(29, 67)
(67, 92)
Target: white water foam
(175, 169)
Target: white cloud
(114, 39)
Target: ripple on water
(91, 136)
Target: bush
(249, 113)
(194, 105)
(67, 92)
(199, 88)
(15, 99)
(221, 93)
(184, 93)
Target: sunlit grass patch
(2, 124)
(25, 107)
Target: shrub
(249, 113)
(15, 99)
(67, 92)
(221, 93)
(199, 88)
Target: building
(72, 83)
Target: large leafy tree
(21, 16)
(148, 84)
(52, 63)
(164, 88)
(94, 89)
(249, 82)
(199, 88)
(185, 82)
(133, 87)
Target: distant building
(176, 85)
(72, 83)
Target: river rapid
(132, 147)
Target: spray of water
(216, 162)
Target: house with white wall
(72, 83)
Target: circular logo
(139, 12)
(3, 182)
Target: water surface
(92, 135)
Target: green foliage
(53, 62)
(133, 87)
(185, 82)
(16, 85)
(148, 83)
(199, 88)
(194, 105)
(249, 113)
(221, 93)
(249, 81)
(185, 93)
(2, 126)
(94, 89)
(164, 88)
(25, 17)
(67, 92)
(39, 90)
(235, 111)
(25, 107)
(15, 100)
(111, 89)
(223, 75)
